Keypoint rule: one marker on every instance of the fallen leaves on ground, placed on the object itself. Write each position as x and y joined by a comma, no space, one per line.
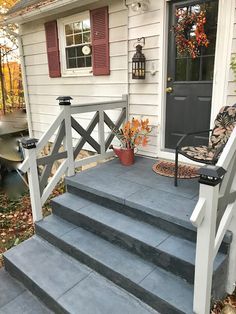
227,306
16,223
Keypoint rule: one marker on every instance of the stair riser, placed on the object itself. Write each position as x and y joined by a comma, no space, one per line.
172,228
34,288
165,225
159,258
109,273
219,281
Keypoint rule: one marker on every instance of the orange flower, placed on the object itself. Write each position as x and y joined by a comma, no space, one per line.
144,141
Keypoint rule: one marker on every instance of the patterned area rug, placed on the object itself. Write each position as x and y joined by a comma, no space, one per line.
167,169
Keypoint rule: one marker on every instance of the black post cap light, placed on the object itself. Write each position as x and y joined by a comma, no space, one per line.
64,100
29,143
138,64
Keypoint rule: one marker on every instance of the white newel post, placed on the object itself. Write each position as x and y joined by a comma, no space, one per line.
210,178
64,102
29,146
231,278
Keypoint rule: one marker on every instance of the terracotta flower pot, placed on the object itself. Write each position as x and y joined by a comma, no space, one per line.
126,155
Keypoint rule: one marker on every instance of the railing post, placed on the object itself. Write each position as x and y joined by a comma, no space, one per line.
101,132
35,197
210,178
231,276
64,102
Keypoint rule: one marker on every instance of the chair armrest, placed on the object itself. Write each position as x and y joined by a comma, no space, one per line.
190,134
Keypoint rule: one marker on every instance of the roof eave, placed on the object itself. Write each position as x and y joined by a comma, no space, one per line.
47,10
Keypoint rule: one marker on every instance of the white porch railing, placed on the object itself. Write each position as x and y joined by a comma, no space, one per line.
39,184
214,214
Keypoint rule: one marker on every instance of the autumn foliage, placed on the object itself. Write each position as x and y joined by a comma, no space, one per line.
134,133
189,32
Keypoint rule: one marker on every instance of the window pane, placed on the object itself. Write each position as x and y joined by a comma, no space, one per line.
78,39
69,40
193,69
180,72
77,27
86,25
207,68
71,52
88,61
71,63
79,52
68,29
86,37
81,62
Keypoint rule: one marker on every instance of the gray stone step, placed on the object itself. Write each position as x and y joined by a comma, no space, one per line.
15,298
144,196
135,200
134,274
66,285
168,251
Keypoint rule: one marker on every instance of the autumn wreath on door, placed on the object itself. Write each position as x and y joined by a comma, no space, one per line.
189,31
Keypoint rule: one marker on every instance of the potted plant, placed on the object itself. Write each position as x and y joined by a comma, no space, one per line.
131,135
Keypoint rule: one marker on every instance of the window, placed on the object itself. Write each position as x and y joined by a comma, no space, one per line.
77,47
75,44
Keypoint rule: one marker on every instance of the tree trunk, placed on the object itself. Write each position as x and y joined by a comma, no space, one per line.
2,85
11,87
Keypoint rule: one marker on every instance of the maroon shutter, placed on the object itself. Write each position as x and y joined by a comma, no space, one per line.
53,49
100,41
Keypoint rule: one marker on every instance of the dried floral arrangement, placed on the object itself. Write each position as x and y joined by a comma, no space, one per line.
190,33
133,133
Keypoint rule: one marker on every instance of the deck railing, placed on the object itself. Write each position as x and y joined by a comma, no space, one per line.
64,149
214,214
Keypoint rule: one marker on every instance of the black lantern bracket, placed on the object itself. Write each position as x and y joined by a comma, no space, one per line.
140,41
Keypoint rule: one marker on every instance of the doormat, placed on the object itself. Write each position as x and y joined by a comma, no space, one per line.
167,169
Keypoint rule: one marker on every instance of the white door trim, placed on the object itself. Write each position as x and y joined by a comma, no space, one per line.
224,41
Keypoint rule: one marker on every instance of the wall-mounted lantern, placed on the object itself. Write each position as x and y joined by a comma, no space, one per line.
139,62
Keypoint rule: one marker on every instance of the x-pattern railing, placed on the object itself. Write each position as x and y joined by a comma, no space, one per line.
63,148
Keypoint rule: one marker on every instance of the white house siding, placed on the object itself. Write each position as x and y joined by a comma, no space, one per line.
144,98
44,90
143,94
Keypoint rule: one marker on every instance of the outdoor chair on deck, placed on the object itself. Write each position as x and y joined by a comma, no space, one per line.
218,137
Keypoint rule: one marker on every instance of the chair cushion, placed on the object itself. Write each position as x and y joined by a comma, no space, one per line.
223,127
199,153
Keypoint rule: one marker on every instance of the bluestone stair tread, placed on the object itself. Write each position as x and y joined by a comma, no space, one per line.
163,203
114,257
14,298
138,230
74,286
155,280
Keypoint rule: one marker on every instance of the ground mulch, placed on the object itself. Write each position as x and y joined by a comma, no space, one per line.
16,224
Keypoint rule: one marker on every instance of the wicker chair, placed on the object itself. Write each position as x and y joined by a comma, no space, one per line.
218,137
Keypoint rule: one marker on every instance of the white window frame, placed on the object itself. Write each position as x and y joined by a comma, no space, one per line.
62,44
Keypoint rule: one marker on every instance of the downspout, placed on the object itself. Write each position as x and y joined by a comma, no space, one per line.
24,80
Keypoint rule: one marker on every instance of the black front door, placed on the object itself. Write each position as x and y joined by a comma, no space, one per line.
189,80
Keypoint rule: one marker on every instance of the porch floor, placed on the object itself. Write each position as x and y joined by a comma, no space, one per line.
138,186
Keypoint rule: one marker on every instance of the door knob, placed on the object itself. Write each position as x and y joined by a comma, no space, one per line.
169,90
